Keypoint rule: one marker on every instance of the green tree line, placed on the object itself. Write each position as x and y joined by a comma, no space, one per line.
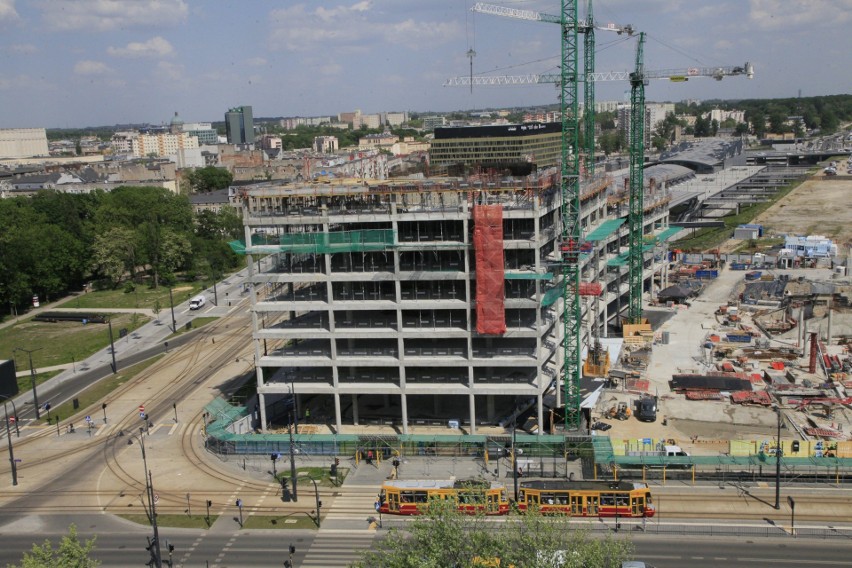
53,243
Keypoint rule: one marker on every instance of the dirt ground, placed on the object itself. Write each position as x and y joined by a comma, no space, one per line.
820,206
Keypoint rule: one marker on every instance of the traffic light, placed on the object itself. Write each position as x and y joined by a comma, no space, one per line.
209,503
337,461
171,548
292,549
273,457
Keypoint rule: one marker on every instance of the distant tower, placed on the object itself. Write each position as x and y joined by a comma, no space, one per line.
239,125
176,125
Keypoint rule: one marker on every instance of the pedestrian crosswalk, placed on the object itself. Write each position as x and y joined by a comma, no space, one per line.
357,502
332,548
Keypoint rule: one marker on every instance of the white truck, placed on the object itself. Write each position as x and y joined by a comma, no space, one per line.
197,302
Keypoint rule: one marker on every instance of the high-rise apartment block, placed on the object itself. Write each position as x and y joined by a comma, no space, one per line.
239,125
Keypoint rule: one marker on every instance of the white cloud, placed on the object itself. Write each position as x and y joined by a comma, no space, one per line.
8,13
170,70
154,47
330,69
798,14
352,28
89,67
22,48
104,15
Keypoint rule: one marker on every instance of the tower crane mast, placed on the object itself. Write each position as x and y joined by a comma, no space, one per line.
636,215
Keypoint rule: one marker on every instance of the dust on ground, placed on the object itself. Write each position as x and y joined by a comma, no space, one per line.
819,206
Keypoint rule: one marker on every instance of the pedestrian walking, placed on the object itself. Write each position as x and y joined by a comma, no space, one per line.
369,457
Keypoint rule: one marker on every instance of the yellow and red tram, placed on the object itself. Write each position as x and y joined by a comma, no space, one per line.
586,498
471,496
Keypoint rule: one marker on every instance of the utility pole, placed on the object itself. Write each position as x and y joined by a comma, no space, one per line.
514,464
12,462
172,306
778,454
154,546
112,348
293,464
32,377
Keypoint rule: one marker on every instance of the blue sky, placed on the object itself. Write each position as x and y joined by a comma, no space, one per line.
72,63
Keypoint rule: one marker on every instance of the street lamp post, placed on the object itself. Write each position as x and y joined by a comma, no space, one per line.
154,548
32,377
778,453
14,415
112,348
293,479
319,503
172,306
11,451
514,464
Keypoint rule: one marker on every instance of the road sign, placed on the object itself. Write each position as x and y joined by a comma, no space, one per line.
156,497
141,408
88,418
12,419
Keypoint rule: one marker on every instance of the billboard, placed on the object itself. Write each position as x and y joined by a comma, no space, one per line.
8,382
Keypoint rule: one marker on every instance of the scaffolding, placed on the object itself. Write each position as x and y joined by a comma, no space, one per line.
490,286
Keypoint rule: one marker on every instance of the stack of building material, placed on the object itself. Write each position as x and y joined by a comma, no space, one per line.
761,398
712,382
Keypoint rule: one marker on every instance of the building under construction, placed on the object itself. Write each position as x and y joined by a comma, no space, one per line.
436,301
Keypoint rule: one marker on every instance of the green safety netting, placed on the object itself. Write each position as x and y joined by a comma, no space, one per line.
528,276
605,229
320,243
665,235
621,259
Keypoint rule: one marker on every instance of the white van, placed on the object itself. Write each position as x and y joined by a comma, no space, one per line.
197,302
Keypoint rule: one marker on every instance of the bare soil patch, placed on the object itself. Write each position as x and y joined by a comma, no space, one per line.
820,206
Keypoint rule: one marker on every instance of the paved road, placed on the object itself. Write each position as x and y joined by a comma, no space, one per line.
149,340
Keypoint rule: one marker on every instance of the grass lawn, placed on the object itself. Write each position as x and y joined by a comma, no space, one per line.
174,521
97,392
61,342
320,474
142,297
289,521
195,324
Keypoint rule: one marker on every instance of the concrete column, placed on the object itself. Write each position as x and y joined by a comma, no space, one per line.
540,405
403,403
338,415
472,404
490,411
355,409
261,402
801,335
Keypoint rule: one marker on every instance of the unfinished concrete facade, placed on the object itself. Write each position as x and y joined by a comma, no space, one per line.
366,306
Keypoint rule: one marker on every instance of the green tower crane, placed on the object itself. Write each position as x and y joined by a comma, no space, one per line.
635,216
571,229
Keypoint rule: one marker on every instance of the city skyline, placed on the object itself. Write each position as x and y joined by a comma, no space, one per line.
76,63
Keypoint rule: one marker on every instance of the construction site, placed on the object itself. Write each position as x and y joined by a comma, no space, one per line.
455,309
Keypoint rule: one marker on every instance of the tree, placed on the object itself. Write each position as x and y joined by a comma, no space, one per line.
114,254
209,178
444,537
71,553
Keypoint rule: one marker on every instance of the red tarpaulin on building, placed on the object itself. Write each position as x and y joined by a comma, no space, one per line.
488,250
